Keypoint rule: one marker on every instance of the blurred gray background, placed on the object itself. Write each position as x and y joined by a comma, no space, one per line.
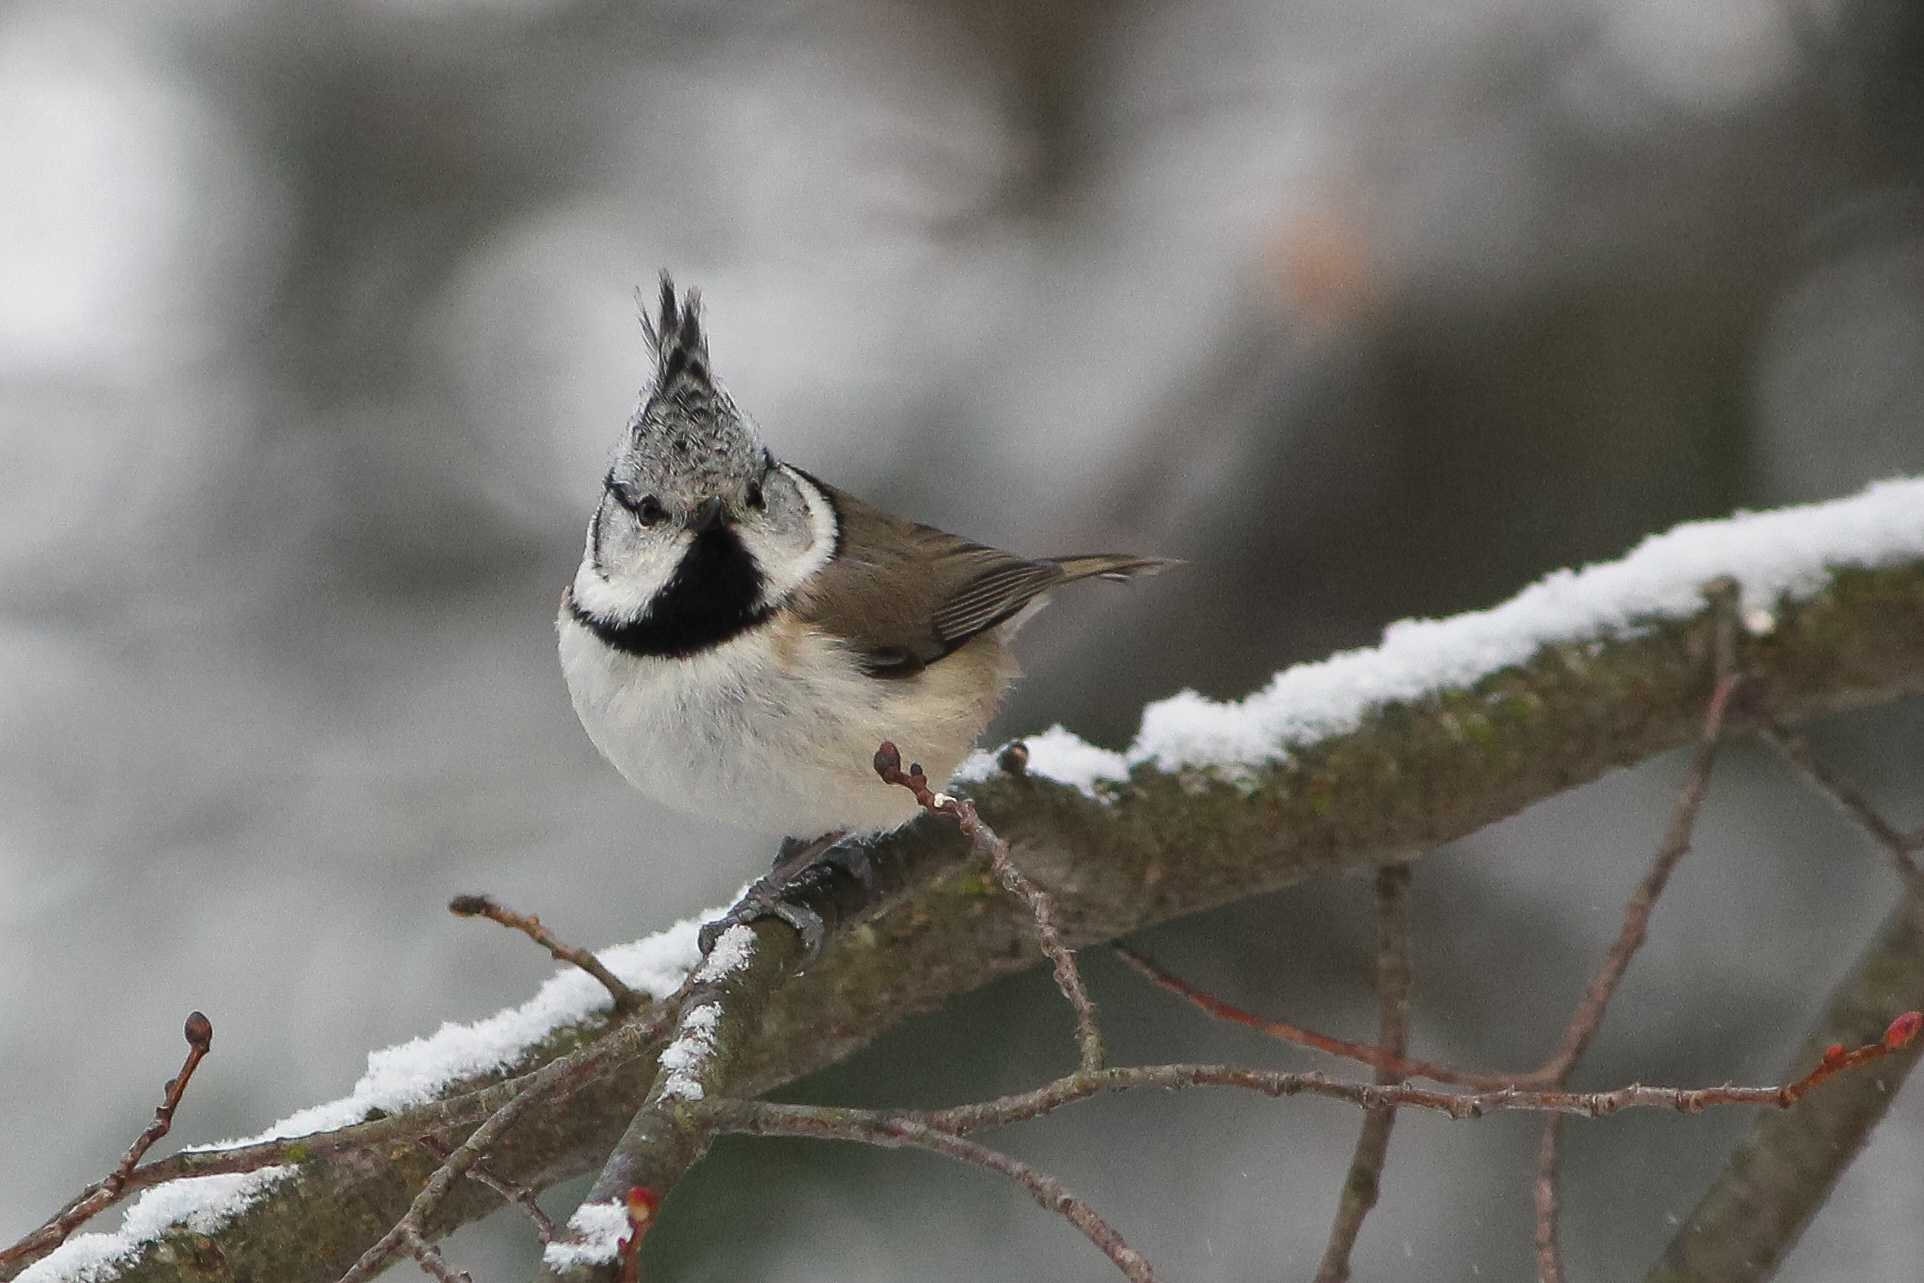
316,321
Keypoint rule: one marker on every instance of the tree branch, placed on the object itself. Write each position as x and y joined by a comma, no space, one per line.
1785,1169
721,1010
1413,775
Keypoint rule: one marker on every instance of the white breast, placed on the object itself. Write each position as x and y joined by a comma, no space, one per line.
776,730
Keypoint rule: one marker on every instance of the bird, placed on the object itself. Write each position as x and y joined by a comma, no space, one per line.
740,636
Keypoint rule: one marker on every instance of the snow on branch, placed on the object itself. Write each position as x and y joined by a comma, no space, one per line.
1777,557
1340,766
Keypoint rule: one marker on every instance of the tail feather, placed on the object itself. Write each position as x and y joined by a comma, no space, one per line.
1110,565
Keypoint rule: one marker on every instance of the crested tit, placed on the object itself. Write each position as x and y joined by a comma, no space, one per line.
741,636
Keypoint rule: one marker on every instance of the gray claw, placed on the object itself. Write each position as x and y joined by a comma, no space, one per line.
758,904
808,924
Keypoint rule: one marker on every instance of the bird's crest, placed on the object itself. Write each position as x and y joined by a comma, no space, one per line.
681,349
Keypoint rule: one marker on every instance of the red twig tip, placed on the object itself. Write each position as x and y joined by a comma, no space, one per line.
1900,1034
641,1205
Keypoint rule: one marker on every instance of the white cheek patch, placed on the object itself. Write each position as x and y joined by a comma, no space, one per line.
630,577
784,572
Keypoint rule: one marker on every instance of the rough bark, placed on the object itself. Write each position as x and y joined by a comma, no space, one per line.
1413,776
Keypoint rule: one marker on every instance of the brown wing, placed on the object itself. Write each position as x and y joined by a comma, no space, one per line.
904,595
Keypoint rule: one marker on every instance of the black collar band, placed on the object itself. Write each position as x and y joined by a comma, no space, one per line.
714,596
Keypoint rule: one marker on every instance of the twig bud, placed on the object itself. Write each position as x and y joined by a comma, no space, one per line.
200,1032
641,1204
470,906
888,760
1903,1030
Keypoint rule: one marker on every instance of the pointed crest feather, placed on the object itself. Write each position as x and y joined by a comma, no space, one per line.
681,349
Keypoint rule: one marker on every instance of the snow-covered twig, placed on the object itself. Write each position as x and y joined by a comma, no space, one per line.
720,1009
551,1080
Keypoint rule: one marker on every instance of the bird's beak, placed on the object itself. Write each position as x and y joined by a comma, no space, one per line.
708,514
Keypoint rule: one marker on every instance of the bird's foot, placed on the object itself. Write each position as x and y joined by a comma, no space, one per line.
760,902
780,893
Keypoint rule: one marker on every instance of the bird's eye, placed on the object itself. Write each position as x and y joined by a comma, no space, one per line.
755,497
647,509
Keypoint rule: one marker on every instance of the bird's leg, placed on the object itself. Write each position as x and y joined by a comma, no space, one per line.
777,893
796,855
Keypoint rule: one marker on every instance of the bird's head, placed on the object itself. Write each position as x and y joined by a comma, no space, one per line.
694,507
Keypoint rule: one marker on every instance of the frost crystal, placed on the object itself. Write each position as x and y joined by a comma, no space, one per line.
692,1048
598,1230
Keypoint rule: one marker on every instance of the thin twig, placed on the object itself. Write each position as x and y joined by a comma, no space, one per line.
1785,1169
413,1224
101,1195
1643,901
1363,1053
1549,1258
1896,843
888,764
627,1000
552,1079
468,1108
1363,1183
520,1195
1068,977
766,1118
943,1130
1588,1019
430,1259
1022,1106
